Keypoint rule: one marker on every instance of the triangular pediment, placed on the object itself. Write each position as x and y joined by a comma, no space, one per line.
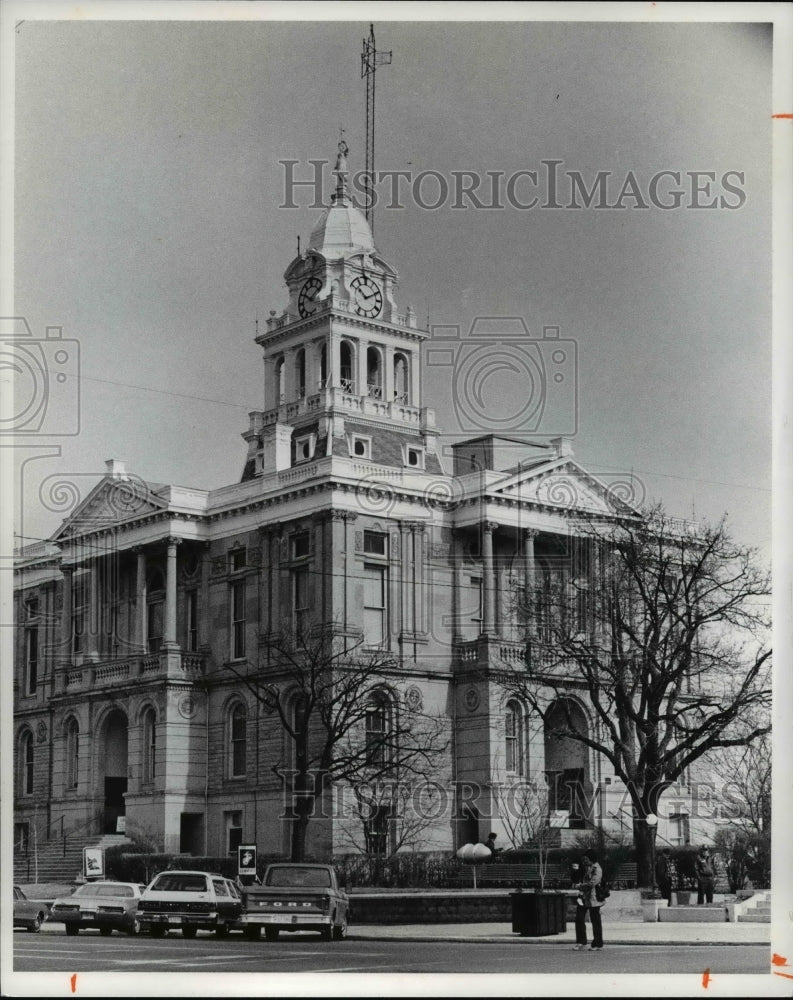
112,501
563,485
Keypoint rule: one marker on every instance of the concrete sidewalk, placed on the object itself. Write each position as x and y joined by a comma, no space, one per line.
615,933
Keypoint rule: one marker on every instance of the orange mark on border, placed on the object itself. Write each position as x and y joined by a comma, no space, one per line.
705,978
74,983
788,115
778,959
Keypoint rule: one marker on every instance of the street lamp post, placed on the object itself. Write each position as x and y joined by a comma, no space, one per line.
652,821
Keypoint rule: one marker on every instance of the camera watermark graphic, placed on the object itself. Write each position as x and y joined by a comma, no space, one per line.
504,381
45,375
548,185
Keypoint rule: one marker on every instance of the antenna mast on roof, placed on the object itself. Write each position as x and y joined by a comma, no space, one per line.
370,60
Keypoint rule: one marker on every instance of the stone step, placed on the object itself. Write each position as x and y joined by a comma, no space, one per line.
754,918
693,914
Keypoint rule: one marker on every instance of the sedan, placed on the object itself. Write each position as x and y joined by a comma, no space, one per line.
108,906
27,912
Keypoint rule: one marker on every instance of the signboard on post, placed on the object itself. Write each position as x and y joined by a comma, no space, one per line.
246,860
93,862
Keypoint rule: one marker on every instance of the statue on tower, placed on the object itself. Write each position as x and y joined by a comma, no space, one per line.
341,167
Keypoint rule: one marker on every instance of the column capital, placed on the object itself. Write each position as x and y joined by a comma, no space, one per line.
529,534
490,526
173,540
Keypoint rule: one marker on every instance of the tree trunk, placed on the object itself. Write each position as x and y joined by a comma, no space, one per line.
644,841
300,829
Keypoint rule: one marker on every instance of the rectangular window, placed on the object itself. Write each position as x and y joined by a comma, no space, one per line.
376,734
679,832
301,544
239,745
31,647
238,560
191,617
300,601
476,601
79,616
238,620
377,829
512,742
375,608
375,543
154,625
233,831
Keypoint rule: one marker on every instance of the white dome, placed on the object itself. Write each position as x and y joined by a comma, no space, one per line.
341,230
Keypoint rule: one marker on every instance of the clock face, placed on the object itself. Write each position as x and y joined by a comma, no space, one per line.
367,297
307,299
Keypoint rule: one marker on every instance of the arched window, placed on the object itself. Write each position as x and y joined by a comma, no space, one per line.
300,366
280,381
72,754
514,739
26,763
346,367
238,741
378,730
374,373
149,745
401,391
323,367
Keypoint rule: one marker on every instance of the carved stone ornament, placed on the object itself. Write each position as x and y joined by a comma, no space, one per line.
472,699
218,566
41,731
187,707
413,699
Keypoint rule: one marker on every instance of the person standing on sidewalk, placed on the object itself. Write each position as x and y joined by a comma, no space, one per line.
663,874
705,877
587,902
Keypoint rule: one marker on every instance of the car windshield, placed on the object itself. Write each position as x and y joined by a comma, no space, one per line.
104,890
176,882
312,877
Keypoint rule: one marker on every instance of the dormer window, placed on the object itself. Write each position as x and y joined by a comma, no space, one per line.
414,456
304,447
360,446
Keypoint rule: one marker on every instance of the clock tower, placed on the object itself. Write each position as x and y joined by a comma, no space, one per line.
341,363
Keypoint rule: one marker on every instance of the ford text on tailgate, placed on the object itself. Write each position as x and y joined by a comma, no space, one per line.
296,897
189,901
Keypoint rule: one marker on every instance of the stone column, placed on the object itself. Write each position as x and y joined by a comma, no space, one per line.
458,627
419,613
66,615
93,618
406,607
203,601
363,381
388,376
530,575
169,638
139,634
414,384
488,578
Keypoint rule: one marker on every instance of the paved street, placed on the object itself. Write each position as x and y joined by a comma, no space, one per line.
53,952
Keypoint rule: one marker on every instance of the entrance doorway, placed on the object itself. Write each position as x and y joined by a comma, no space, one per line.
191,834
113,765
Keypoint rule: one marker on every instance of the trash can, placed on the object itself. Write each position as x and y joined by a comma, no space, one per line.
538,914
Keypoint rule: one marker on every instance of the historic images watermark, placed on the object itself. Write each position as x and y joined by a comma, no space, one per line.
549,185
45,374
444,800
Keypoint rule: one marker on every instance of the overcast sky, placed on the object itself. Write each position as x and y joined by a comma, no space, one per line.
148,226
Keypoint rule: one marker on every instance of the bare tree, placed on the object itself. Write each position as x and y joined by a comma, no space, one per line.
386,816
343,718
663,632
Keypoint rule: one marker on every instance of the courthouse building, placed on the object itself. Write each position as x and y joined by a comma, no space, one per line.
137,617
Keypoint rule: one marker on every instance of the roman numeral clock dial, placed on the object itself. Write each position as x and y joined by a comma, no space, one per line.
307,299
367,297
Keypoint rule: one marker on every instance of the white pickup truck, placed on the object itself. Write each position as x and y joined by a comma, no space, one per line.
296,897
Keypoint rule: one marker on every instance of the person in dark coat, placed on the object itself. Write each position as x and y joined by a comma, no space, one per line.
663,874
705,877
491,844
587,902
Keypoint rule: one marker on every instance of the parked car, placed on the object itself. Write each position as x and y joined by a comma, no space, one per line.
28,913
296,897
190,901
107,905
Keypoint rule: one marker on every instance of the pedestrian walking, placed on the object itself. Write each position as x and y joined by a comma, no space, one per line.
705,877
663,874
587,902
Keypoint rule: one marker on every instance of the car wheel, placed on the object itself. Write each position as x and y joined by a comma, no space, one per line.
271,933
105,931
253,933
222,931
72,930
326,933
157,931
188,931
340,931
35,927
134,929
